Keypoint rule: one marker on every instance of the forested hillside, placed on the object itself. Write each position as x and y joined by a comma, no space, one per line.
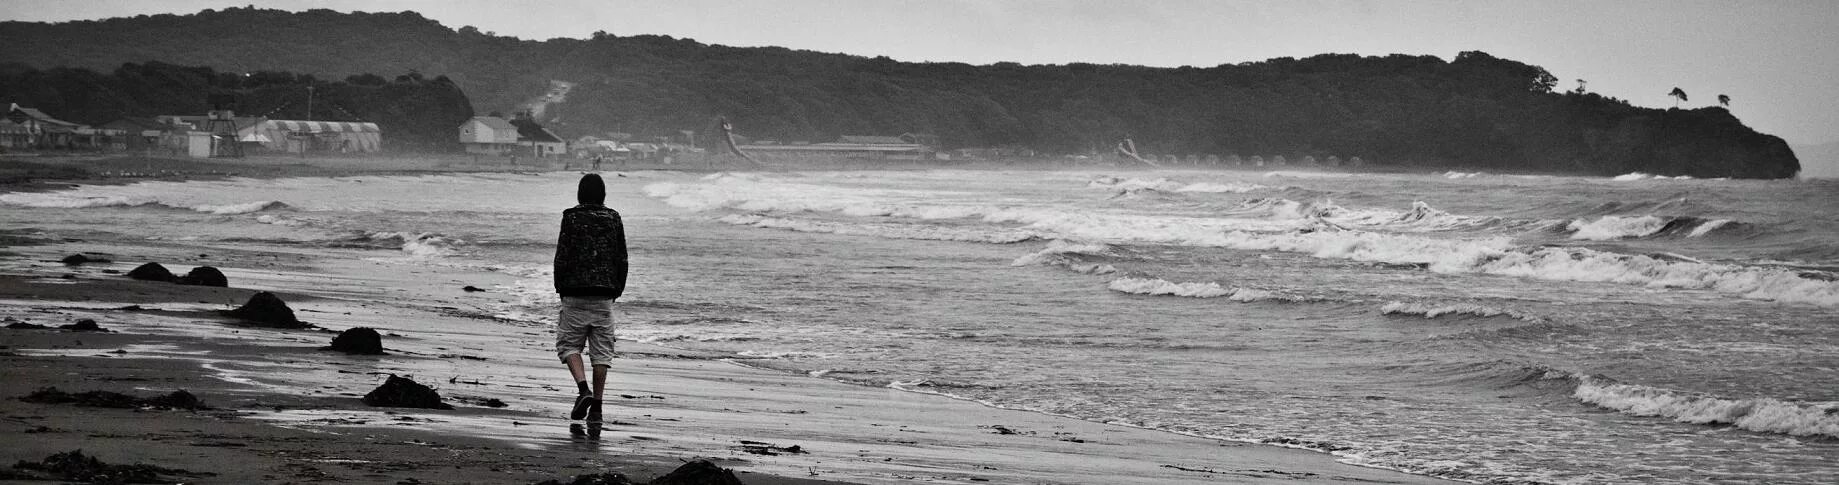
1475,111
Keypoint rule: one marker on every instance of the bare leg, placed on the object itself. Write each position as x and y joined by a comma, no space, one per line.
600,380
574,368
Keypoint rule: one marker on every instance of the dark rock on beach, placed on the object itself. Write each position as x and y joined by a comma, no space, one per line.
402,392
267,310
592,479
153,272
27,326
107,399
358,340
74,466
84,325
80,259
699,472
471,289
205,276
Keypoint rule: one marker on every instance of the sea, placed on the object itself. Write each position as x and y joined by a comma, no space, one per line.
1483,327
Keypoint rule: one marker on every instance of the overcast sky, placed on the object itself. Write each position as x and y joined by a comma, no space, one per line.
1777,60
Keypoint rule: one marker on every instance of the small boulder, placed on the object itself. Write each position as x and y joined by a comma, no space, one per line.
26,326
84,325
267,310
592,479
402,392
79,259
358,340
153,272
205,276
471,289
699,472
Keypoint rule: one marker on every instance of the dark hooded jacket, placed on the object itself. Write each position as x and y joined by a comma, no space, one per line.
591,251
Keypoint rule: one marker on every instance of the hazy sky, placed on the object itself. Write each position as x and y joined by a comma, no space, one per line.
1777,60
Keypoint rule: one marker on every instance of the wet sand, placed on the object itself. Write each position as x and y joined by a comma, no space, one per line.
285,411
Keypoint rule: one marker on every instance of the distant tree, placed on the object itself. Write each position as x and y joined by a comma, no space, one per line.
1724,100
1580,86
1679,94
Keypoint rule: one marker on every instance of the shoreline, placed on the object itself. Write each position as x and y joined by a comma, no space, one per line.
708,407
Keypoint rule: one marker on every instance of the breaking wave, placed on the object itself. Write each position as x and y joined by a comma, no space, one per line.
1166,185
891,231
1763,415
1633,176
1609,228
1158,286
416,245
1434,311
1076,257
54,200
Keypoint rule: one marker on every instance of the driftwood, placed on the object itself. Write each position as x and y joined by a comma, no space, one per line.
1129,149
728,141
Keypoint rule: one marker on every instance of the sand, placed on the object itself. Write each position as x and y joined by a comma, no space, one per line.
282,410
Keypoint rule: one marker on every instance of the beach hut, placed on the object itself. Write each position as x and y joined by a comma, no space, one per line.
297,136
488,135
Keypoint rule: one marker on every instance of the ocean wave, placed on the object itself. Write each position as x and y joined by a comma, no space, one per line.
891,231
55,200
1764,415
1634,176
1208,187
1708,226
1072,256
1123,185
1434,311
1460,175
424,245
1161,287
1609,228
244,208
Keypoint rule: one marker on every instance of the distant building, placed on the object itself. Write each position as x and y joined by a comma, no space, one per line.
296,136
488,135
43,131
142,133
541,141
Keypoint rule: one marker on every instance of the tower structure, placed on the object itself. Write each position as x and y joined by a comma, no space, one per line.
222,125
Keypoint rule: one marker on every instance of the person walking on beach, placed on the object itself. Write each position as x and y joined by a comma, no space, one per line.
590,273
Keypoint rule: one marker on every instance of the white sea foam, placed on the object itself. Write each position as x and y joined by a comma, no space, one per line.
1208,187
58,200
1460,175
1158,286
1764,415
1708,226
1066,254
65,200
1610,228
891,231
279,220
1434,311
1115,183
1580,264
1634,176
244,208
422,245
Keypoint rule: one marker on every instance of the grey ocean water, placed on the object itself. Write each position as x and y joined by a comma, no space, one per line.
1464,325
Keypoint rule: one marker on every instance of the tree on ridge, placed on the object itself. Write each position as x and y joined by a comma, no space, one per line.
1724,100
1677,93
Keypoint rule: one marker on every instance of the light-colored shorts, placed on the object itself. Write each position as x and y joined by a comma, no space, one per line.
586,323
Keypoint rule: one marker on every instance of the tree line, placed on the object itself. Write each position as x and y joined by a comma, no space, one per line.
1474,111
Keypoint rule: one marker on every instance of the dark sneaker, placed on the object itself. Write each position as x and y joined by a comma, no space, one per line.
593,413
582,403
